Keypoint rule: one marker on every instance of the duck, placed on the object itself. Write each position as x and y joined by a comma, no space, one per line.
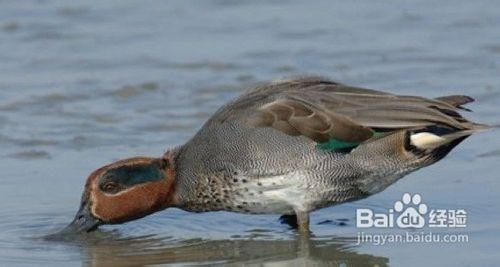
286,147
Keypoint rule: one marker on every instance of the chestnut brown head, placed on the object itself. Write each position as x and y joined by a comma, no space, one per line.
125,190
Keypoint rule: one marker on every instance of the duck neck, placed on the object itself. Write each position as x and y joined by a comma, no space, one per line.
171,199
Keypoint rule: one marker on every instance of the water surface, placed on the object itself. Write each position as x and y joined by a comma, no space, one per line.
84,83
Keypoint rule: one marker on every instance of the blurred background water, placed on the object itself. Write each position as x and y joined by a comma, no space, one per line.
83,83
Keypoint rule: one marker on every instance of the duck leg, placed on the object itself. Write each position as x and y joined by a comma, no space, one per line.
303,221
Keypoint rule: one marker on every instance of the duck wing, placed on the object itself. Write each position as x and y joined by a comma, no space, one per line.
324,110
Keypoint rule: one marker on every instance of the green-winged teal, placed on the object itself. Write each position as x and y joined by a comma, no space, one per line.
287,147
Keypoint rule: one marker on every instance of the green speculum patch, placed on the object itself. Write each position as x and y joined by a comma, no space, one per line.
132,175
336,145
339,145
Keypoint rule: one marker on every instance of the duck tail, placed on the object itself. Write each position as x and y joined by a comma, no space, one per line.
436,136
438,144
432,137
476,127
430,141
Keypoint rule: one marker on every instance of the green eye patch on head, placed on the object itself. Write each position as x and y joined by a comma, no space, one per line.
131,175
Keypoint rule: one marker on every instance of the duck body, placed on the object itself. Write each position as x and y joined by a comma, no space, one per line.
286,147
240,162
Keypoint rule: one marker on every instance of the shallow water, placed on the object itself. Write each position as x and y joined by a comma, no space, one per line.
85,83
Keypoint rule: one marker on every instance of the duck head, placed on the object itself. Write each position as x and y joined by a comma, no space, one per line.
125,190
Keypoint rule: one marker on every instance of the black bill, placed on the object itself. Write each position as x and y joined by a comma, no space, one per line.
84,221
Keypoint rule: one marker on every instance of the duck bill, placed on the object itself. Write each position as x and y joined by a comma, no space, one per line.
84,221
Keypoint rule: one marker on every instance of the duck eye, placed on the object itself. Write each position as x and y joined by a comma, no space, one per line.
110,187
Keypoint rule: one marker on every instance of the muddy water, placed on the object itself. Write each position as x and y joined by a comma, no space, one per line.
83,83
